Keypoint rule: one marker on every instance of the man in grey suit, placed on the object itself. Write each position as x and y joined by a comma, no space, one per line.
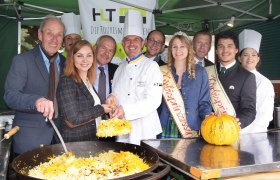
27,84
202,45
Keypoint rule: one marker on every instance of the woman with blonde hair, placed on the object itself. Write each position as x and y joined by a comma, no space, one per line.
78,102
186,91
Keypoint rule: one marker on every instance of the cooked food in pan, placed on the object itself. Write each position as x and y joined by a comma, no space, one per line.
106,165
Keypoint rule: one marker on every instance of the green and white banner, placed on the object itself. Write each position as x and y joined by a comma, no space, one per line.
107,18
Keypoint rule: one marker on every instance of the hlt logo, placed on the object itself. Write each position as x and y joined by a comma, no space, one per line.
107,15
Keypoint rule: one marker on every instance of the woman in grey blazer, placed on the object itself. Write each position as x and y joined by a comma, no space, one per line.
78,102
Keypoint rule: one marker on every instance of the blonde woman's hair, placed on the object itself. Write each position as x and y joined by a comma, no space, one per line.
70,68
190,62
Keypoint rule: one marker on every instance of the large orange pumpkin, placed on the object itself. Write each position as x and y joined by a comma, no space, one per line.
220,129
218,156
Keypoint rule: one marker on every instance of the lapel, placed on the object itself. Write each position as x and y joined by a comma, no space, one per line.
86,92
39,61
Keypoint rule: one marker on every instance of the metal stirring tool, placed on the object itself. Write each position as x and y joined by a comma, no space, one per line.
58,134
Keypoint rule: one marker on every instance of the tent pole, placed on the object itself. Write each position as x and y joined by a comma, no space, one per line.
19,37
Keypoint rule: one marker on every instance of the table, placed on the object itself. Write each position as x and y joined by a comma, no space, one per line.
197,159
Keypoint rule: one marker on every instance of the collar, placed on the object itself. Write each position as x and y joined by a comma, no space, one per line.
105,67
135,59
46,58
229,65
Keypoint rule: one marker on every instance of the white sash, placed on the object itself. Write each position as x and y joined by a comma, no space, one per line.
218,97
175,103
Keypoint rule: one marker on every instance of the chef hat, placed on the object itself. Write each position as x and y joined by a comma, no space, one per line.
250,39
133,24
72,23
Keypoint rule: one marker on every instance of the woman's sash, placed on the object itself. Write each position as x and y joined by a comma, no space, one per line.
218,97
175,103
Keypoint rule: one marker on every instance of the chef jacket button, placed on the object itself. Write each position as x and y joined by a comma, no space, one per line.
128,94
130,78
135,65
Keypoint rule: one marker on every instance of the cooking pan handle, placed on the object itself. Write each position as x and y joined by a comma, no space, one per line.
161,171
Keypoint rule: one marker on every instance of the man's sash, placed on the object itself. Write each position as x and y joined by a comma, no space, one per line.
218,97
175,103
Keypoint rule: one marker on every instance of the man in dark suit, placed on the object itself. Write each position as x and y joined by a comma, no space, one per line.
202,45
238,83
155,45
105,49
27,85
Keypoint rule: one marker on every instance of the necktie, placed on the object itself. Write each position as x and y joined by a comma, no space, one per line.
200,63
53,81
223,70
102,85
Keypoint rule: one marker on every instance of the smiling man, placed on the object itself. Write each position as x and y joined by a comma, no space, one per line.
155,45
202,45
28,84
137,85
73,29
238,83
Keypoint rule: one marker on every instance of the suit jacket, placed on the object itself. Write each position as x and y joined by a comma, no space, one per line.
27,81
112,69
208,62
240,86
77,106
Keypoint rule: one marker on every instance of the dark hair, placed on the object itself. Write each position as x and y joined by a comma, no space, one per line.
162,34
258,64
203,32
227,35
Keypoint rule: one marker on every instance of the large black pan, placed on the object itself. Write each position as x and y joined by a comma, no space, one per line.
26,161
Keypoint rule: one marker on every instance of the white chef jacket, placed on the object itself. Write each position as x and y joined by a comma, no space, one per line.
264,105
138,88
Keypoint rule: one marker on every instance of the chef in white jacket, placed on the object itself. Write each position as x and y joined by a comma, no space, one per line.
137,85
249,45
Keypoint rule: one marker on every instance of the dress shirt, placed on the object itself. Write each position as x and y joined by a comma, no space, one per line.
201,61
228,66
47,62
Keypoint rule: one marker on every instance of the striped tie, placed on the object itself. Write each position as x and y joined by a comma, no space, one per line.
102,85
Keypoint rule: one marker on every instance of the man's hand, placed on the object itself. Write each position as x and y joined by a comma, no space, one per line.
118,113
45,106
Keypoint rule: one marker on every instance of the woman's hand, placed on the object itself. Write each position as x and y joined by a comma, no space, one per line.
107,108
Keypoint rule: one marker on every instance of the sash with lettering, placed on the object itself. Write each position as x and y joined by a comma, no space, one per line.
175,103
218,97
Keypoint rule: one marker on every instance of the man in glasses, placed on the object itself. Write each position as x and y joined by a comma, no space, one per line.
155,45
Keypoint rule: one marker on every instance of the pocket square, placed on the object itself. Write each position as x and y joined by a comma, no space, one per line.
231,87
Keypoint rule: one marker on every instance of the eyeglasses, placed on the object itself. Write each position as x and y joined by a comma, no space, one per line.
156,43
